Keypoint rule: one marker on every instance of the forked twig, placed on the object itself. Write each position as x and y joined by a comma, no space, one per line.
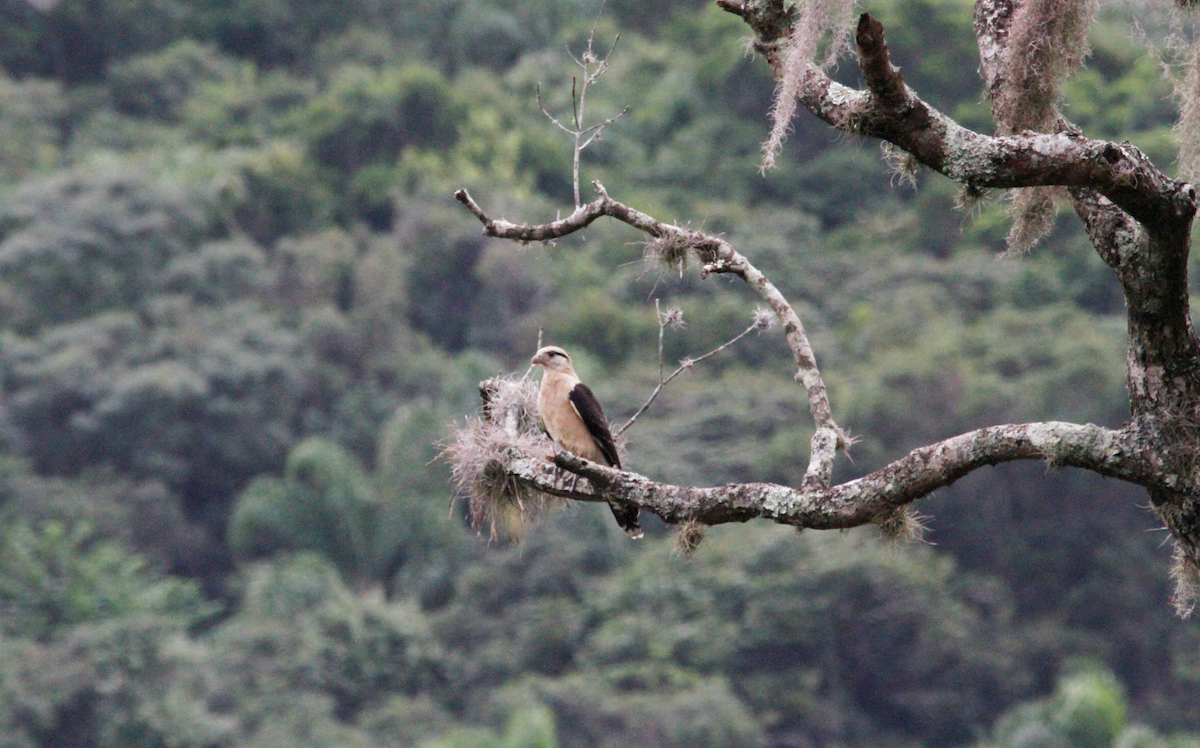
593,68
761,322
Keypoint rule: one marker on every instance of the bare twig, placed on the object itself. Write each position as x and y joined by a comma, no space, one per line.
576,106
593,69
662,327
684,365
537,90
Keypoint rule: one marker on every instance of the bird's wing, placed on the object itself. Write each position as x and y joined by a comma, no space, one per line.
588,408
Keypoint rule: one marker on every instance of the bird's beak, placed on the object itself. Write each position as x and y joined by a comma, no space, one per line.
537,360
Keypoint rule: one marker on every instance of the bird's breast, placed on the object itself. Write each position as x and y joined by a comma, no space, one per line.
562,421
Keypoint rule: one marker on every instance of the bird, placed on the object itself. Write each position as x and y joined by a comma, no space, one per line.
572,416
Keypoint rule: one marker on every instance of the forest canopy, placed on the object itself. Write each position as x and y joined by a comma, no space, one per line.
241,313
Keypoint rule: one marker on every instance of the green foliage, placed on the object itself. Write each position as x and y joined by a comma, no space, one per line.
276,193
144,517
275,32
603,325
483,35
840,185
365,117
443,258
532,727
509,304
198,362
194,398
528,727
158,85
369,527
93,240
1087,710
1140,736
130,682
30,114
973,373
647,15
76,40
762,633
54,578
632,707
304,648
324,504
403,721
219,273
1092,709
488,141
244,109
794,642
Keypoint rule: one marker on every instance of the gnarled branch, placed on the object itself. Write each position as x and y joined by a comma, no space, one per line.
857,502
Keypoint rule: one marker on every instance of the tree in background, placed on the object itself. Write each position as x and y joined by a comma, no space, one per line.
369,527
1138,219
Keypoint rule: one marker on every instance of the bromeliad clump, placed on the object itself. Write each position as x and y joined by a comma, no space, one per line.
506,426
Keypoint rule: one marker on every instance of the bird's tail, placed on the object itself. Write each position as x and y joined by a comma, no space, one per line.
627,518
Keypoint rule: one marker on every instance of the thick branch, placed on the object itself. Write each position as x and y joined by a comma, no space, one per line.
891,111
992,19
1110,182
858,502
1138,218
1149,259
883,79
1112,231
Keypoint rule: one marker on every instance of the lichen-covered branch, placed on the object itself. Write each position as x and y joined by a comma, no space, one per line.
891,111
517,469
862,501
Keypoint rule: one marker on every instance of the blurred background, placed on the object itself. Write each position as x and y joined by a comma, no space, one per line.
241,313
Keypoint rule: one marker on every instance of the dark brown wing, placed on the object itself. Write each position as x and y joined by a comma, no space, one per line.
589,410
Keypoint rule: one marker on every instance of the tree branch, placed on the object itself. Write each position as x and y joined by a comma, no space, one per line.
891,111
1122,178
1147,253
883,80
858,502
717,256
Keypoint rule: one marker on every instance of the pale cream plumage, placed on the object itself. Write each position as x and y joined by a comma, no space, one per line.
573,418
561,418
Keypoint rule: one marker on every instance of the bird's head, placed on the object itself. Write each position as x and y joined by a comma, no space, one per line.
553,358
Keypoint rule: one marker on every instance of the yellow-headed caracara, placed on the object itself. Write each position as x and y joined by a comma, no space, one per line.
572,417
